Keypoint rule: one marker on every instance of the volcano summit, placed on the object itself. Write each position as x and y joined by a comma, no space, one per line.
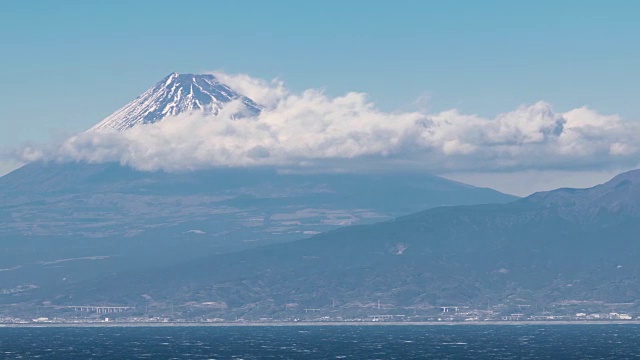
174,95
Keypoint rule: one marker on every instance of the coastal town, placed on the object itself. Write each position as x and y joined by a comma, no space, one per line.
121,315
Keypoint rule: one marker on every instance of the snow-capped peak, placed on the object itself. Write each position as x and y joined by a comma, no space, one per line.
177,94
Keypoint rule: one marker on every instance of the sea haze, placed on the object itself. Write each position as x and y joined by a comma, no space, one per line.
324,342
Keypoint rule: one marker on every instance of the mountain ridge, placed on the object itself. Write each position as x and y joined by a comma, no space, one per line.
617,197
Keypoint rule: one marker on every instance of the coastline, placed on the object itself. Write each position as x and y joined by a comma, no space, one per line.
305,324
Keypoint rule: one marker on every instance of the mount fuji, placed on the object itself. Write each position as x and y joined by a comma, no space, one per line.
174,95
96,219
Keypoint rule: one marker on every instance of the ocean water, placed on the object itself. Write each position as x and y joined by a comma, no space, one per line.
324,342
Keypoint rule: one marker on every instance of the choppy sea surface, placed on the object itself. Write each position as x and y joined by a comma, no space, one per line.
324,342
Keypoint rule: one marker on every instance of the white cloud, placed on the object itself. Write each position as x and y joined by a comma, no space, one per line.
266,93
312,129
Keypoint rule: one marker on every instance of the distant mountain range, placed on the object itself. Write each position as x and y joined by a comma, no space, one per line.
569,247
72,222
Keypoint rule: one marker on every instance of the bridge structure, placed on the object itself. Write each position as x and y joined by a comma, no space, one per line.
446,309
100,309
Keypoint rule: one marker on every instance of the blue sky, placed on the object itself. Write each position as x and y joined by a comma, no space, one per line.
64,65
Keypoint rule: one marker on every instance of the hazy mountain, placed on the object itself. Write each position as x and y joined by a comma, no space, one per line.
536,251
73,221
617,199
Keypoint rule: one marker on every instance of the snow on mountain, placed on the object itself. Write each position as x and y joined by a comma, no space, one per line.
177,94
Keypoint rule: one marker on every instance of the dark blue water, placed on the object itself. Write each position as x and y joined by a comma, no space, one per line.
325,342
